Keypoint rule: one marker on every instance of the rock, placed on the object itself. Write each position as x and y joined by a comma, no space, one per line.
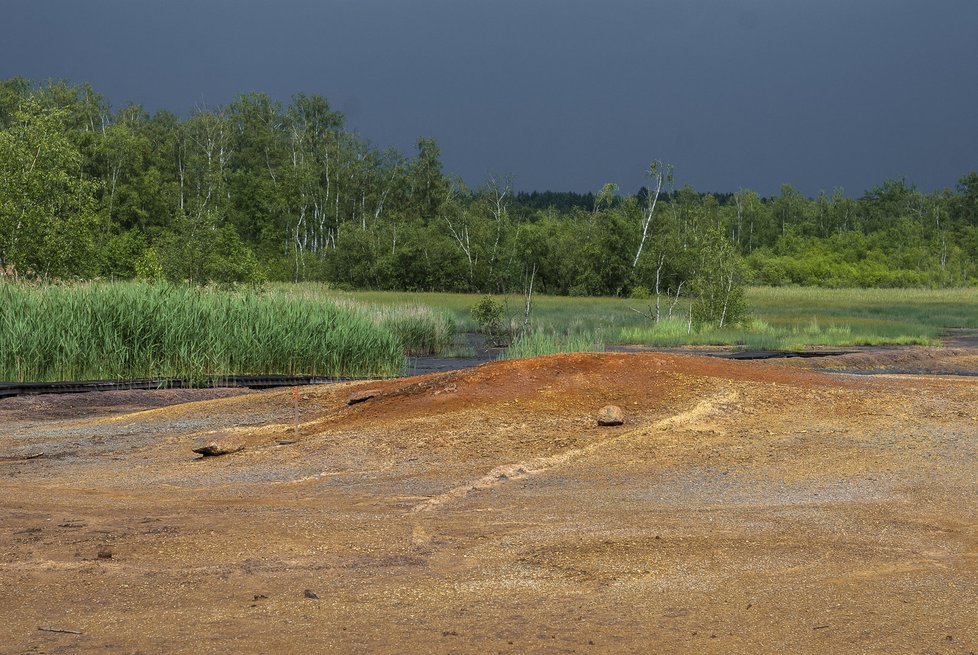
104,553
361,396
610,415
286,442
218,444
309,593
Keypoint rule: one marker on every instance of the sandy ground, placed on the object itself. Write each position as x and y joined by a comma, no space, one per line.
744,507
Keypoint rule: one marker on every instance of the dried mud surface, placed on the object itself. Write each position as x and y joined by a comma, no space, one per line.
897,360
743,507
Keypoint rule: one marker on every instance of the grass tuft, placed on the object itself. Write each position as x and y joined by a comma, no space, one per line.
539,343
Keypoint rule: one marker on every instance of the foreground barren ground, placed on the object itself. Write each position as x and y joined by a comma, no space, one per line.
742,508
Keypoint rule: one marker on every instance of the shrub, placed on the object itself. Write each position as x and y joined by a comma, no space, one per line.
488,314
719,288
640,293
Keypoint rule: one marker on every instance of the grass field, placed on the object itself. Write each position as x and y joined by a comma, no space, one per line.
783,317
132,330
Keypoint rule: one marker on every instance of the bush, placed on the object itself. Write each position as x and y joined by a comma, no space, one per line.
640,293
719,289
488,314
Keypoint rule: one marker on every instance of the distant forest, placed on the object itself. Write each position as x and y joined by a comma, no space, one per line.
257,190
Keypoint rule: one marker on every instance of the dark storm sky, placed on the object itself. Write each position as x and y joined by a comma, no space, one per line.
561,94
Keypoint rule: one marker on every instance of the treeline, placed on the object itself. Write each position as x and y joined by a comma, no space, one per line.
258,190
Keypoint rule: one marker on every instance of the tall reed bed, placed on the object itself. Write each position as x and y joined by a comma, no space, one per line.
135,330
421,330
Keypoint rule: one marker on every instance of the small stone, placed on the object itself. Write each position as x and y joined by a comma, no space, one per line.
287,442
611,415
218,444
361,396
105,552
309,593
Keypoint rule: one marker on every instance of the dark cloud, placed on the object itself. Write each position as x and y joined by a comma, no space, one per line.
562,94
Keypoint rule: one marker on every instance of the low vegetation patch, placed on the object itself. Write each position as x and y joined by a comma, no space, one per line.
538,343
760,335
780,317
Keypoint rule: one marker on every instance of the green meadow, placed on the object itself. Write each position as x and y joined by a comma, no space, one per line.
134,330
789,318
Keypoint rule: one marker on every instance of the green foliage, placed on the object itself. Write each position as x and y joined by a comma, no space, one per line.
539,343
872,315
135,330
148,267
122,253
488,314
421,330
760,335
47,207
200,250
718,287
843,316
260,189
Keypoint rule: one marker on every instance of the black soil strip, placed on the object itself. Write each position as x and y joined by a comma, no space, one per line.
782,354
86,405
9,389
960,338
728,352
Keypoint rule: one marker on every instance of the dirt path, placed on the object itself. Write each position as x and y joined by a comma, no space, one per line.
743,508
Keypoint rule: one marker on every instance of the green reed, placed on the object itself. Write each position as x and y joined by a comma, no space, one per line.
135,330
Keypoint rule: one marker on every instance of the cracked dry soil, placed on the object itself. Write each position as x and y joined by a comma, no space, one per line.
742,508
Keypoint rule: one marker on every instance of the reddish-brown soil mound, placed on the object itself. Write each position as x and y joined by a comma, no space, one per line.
742,507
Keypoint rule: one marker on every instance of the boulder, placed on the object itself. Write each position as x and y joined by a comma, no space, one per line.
218,444
610,415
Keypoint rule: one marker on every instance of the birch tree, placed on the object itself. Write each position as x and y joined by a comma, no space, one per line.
659,173
47,207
